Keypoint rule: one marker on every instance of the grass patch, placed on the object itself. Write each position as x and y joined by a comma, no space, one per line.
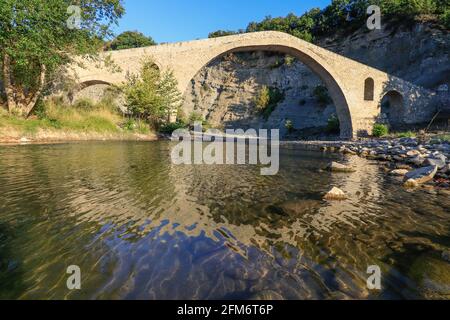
83,117
444,137
407,134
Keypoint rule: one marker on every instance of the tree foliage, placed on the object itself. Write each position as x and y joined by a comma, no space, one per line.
345,15
152,95
223,33
130,39
36,40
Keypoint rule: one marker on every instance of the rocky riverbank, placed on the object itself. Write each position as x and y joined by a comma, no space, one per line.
420,162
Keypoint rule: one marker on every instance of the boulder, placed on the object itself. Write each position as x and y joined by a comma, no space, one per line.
422,175
413,153
338,167
417,160
411,183
438,161
349,151
398,172
335,194
446,169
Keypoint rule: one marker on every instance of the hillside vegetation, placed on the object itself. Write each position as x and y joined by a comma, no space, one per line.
346,15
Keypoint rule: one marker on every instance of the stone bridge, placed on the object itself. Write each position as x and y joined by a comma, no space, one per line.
356,89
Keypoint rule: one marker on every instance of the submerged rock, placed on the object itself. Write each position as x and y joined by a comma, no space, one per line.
338,167
267,295
335,194
411,184
422,175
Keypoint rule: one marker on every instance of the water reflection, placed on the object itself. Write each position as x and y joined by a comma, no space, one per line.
142,228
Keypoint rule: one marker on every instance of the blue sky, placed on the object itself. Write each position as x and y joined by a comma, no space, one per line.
180,20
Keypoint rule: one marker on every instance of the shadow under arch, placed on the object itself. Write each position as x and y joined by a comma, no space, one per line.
335,91
392,107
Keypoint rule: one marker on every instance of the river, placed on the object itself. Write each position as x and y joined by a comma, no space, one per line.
140,227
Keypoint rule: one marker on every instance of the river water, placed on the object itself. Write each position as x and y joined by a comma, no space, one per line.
140,227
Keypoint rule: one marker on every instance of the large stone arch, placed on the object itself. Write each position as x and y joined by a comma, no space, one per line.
321,71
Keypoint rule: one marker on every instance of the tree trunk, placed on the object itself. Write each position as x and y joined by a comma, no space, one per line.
9,90
32,102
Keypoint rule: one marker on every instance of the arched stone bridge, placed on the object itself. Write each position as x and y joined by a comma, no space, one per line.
355,88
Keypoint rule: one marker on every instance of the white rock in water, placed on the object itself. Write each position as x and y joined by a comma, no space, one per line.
335,194
24,140
398,172
422,175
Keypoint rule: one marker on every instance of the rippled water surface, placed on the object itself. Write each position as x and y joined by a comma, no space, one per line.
142,228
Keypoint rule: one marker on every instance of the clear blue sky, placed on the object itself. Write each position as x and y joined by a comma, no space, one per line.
180,20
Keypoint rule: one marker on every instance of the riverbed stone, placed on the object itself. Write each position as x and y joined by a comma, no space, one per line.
422,175
267,295
335,194
446,169
411,184
413,153
398,172
403,166
339,167
417,160
438,160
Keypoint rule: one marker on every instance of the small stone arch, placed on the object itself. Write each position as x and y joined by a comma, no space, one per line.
392,108
93,90
369,89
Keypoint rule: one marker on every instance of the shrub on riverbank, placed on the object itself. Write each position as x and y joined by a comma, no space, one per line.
380,130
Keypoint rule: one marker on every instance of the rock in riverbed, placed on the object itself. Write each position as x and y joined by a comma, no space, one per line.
398,172
411,184
338,167
335,194
438,161
422,175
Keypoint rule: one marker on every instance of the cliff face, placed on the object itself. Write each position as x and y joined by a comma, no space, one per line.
418,53
224,91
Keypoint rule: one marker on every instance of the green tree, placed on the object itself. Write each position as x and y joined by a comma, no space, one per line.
130,39
151,95
37,39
